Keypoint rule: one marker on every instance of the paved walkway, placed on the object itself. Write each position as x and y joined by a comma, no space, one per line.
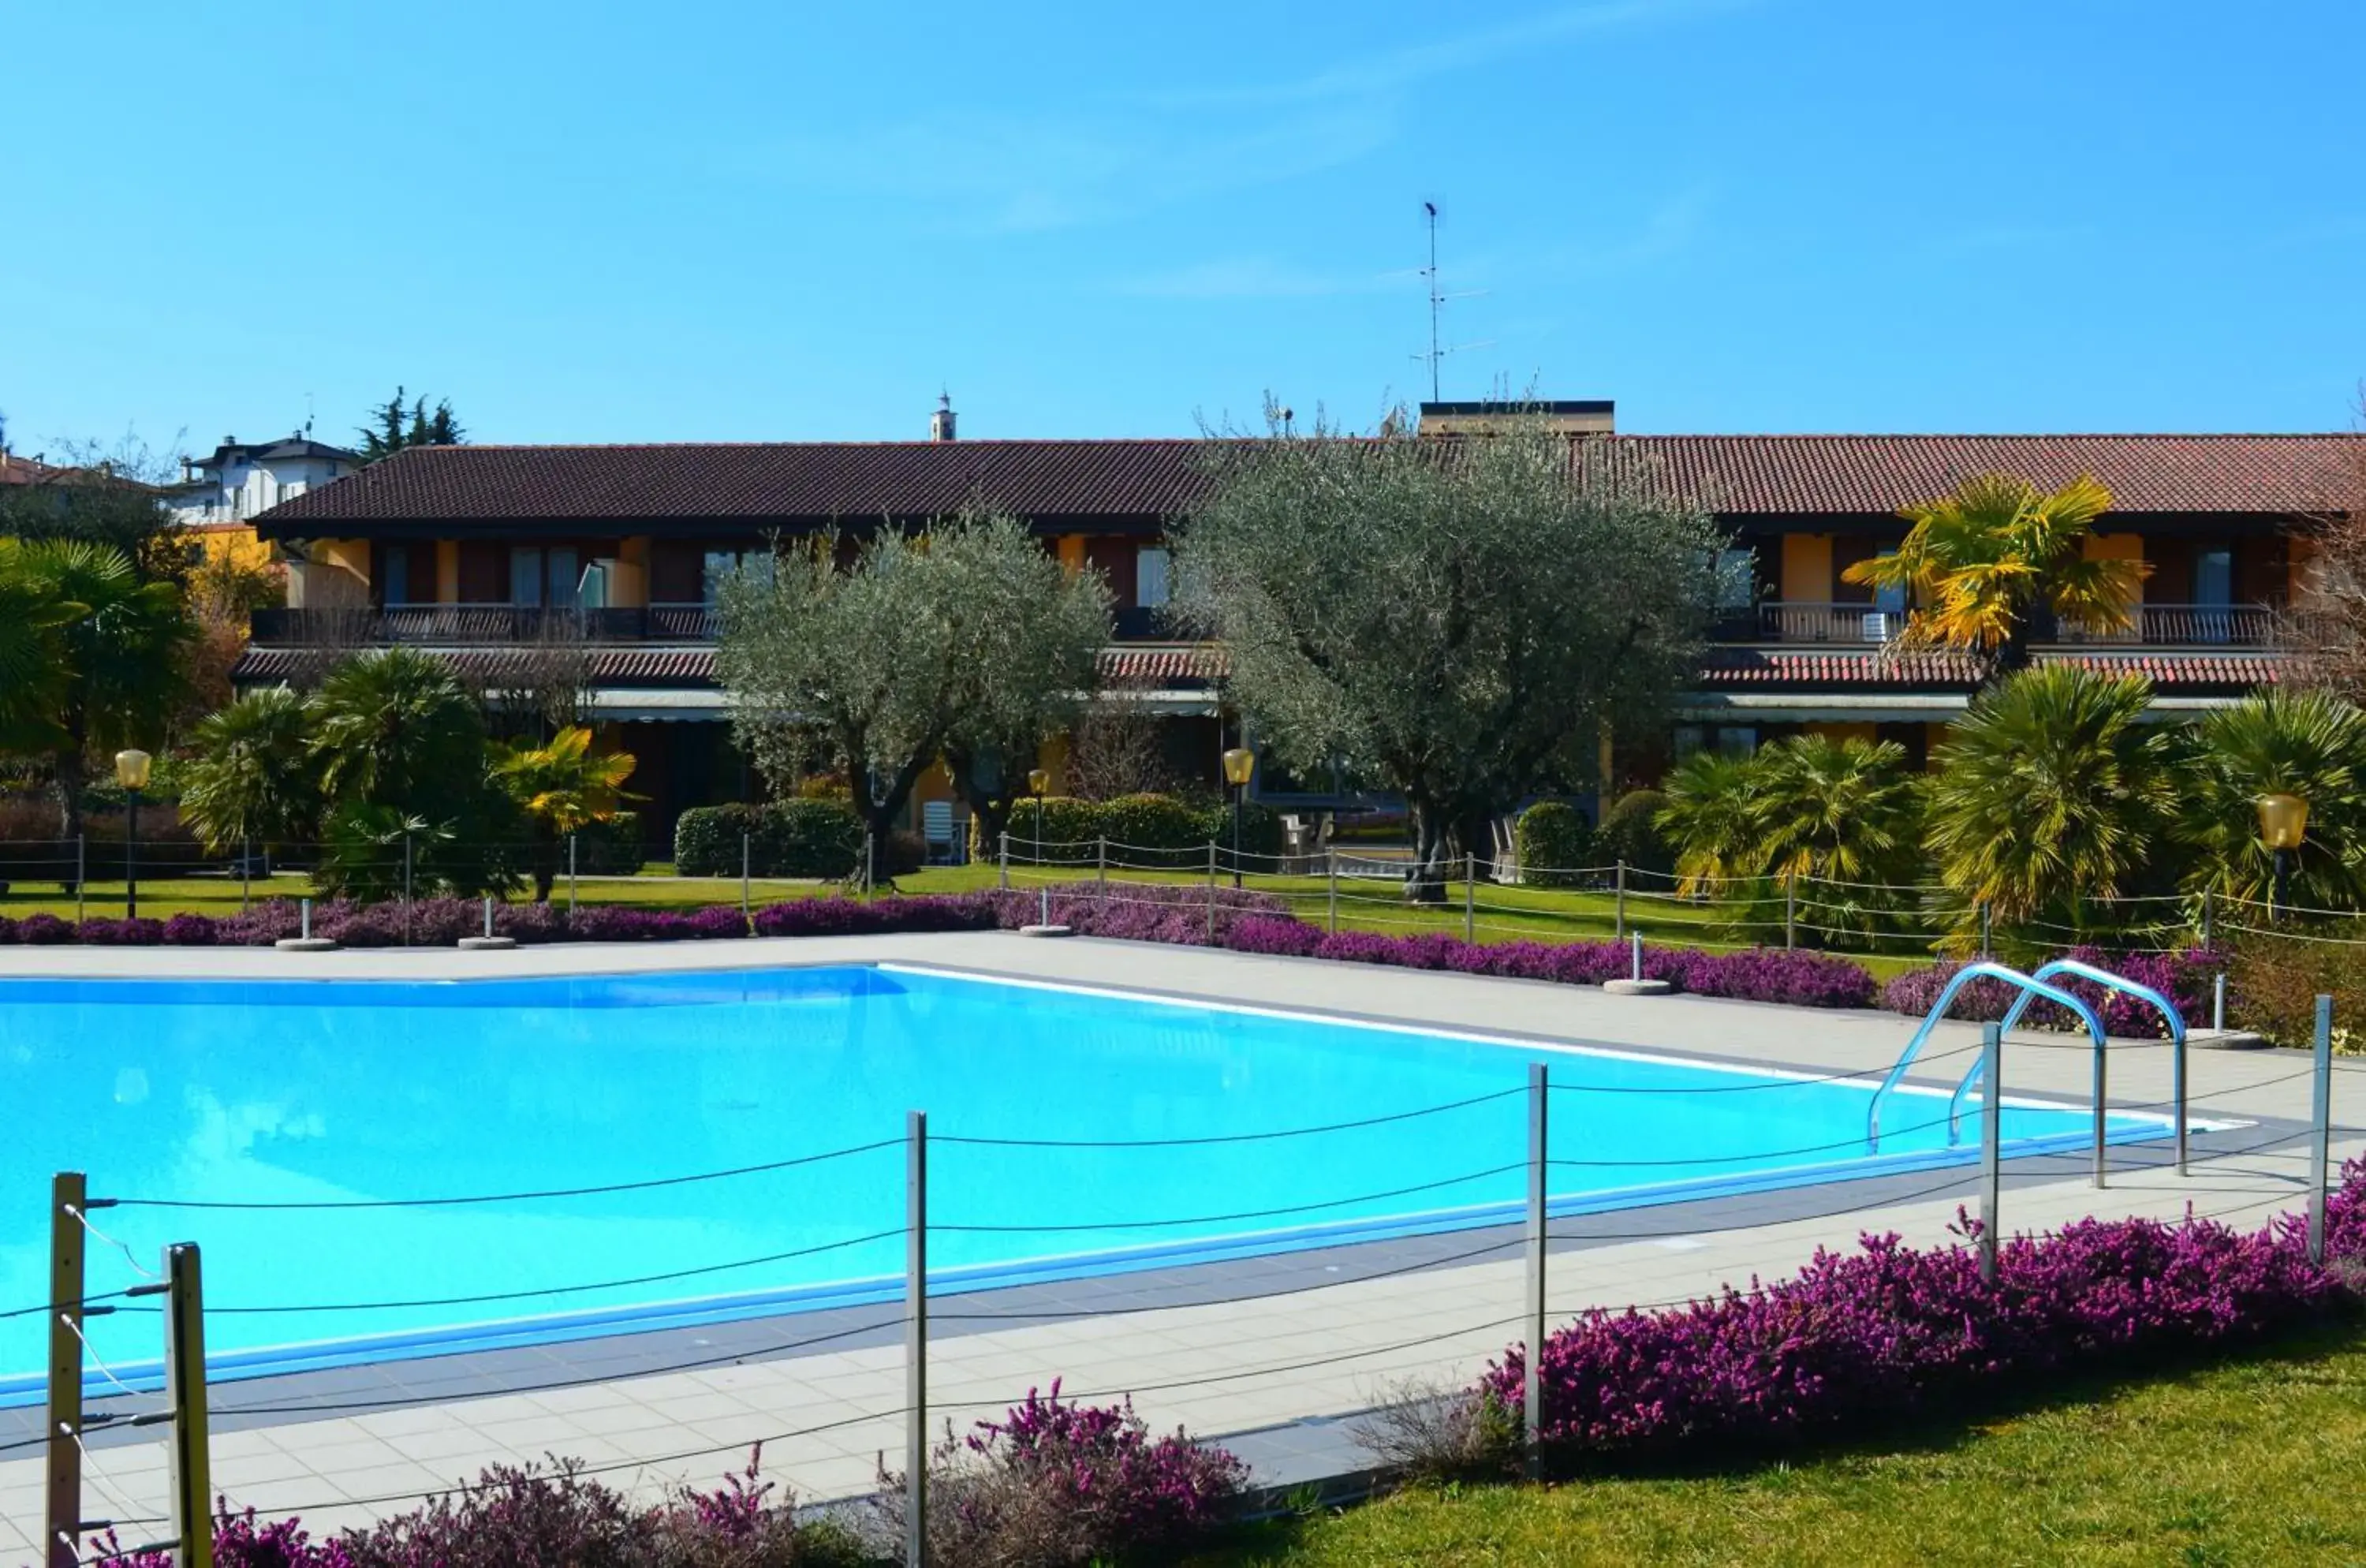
1276,1368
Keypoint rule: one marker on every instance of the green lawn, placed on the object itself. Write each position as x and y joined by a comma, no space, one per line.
2258,1462
1501,914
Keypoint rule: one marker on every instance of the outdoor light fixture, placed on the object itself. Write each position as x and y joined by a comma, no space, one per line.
1038,780
1240,766
131,772
2283,825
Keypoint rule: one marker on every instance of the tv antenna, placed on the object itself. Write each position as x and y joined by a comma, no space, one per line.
1437,298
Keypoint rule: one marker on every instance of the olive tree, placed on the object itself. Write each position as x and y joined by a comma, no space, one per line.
1455,619
965,641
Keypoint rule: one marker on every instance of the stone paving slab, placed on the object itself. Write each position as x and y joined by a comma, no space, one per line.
1283,1371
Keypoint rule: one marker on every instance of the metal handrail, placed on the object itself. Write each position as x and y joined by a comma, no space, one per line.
2109,981
2030,986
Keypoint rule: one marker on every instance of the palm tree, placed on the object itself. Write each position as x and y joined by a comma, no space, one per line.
2050,791
252,778
394,730
33,660
562,788
1978,563
2312,744
116,655
1711,822
1835,807
394,727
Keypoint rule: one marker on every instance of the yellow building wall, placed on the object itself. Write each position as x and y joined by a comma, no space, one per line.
1808,568
2300,568
2118,547
336,574
1072,552
628,583
447,571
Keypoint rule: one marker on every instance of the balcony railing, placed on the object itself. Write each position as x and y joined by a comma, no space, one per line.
2151,625
484,624
493,625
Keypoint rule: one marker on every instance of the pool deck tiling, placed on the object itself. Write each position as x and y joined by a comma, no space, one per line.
1272,1350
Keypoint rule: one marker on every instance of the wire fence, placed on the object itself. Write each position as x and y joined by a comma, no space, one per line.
1538,1173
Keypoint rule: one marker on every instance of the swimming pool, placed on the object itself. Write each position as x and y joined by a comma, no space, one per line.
1109,1130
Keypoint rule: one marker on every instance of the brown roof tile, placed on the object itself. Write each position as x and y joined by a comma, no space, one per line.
1742,668
792,483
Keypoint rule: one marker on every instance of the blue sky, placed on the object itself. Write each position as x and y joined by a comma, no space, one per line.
707,220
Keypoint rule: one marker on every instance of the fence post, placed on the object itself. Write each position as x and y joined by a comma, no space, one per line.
2101,1083
1470,897
747,860
61,1511
1100,861
570,875
82,873
869,859
1637,943
185,1374
2207,902
1006,860
406,887
1984,929
1330,875
1791,910
1618,925
1211,893
2218,1001
2320,1129
245,874
1991,1129
915,1339
1532,1382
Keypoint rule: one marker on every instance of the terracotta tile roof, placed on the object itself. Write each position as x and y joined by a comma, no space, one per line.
778,483
1878,474
805,483
1743,667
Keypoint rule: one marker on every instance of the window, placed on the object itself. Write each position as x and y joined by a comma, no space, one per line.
398,576
717,565
1150,574
545,575
1737,579
1688,739
1737,740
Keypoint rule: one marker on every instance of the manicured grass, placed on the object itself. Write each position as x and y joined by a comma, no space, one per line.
2255,1463
1499,914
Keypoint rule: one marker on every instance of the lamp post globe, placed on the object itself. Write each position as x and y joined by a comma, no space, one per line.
1240,766
2283,828
131,767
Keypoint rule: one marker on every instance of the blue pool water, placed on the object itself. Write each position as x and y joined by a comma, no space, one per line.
345,1092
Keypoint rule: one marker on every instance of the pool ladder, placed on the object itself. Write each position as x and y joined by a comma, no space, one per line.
2034,987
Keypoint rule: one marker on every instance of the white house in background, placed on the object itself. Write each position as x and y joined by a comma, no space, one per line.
241,479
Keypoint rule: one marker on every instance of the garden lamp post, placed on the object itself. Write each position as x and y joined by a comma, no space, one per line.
131,772
1240,765
1038,780
2284,824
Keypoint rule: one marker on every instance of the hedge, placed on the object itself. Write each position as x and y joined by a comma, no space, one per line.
1630,832
1555,843
784,838
1143,831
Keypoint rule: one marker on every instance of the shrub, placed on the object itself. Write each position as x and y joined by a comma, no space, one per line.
1554,842
191,931
1137,911
43,931
1060,1484
1630,832
853,917
609,849
2272,984
1063,825
1858,1340
803,837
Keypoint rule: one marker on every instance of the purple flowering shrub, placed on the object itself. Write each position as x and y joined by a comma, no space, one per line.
532,1517
1765,974
836,915
1172,912
2184,977
1891,1332
1065,1482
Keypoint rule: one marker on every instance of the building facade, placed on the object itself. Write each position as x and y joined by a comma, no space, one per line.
477,552
243,480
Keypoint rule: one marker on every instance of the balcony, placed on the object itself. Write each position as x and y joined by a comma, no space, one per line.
449,626
1861,625
497,626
